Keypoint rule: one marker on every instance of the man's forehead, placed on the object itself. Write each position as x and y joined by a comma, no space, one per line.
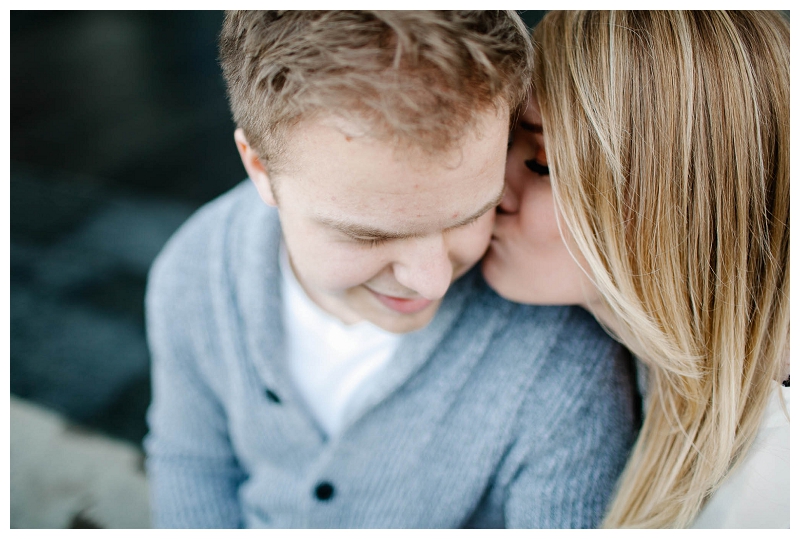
353,126
355,183
410,222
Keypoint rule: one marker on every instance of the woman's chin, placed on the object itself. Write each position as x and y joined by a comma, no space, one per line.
499,277
522,282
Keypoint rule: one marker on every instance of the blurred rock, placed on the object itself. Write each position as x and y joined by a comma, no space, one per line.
68,477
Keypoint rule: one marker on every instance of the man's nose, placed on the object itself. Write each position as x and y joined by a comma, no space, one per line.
424,266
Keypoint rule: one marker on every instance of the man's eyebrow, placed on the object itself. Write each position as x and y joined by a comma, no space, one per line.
486,207
361,231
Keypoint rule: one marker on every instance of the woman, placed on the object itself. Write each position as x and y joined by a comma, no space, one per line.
648,181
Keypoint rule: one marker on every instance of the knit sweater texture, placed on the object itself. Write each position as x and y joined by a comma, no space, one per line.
494,415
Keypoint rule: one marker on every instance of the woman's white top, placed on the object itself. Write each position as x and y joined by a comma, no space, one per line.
756,494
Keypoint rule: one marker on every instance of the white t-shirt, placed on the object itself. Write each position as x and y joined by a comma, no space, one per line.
329,361
756,494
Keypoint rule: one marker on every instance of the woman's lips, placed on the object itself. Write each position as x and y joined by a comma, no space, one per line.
402,305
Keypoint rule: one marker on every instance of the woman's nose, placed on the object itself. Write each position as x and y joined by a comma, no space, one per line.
510,201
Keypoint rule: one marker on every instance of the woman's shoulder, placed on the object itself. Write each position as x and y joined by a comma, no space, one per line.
756,494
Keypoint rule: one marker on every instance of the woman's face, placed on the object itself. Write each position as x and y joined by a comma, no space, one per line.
528,260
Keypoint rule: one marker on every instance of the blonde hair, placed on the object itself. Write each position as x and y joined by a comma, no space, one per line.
419,77
668,145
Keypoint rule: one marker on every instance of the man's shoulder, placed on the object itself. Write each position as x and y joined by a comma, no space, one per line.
563,352
209,235
203,254
563,346
583,376
569,332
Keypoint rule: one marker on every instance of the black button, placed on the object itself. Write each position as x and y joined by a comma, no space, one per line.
272,396
324,491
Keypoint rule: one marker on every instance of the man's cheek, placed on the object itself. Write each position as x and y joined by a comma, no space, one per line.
342,270
475,239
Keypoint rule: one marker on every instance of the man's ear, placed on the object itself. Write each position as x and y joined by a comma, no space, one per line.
254,167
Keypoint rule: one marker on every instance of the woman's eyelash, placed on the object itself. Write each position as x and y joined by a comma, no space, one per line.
537,168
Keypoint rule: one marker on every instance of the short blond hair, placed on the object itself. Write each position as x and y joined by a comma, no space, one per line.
417,77
668,146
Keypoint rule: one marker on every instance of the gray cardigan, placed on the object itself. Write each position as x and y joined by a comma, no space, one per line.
494,415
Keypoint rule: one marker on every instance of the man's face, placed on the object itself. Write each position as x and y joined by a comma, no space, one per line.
376,233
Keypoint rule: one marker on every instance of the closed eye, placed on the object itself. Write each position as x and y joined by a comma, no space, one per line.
537,168
370,242
376,242
531,128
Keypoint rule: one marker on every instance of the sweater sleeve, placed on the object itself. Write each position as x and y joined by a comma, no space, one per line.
567,477
193,472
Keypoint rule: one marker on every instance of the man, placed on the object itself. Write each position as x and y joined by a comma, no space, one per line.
312,364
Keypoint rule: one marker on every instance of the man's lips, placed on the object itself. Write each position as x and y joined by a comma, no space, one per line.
402,305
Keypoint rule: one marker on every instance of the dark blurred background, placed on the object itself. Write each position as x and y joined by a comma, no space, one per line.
119,130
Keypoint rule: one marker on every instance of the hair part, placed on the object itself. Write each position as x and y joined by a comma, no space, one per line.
418,78
668,146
